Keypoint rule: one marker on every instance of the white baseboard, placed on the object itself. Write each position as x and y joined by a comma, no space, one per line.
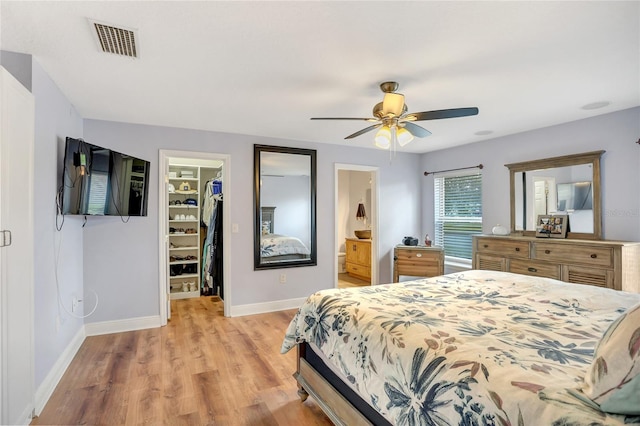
119,326
261,308
45,390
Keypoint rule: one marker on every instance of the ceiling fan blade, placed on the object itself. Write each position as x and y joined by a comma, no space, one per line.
365,130
441,113
344,118
416,130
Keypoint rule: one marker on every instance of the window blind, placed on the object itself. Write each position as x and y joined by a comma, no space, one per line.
458,213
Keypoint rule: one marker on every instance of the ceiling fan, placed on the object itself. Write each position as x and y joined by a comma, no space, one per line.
394,123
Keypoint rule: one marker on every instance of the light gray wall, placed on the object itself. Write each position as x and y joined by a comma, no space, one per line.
616,133
291,216
19,65
58,255
121,260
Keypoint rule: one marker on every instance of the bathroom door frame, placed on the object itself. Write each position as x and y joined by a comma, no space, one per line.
375,240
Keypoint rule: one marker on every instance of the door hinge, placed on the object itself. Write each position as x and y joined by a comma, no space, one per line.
6,238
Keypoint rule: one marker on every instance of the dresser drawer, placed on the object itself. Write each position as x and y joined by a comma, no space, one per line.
490,263
569,253
591,276
503,247
538,269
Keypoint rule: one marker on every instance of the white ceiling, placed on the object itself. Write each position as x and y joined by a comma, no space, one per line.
265,67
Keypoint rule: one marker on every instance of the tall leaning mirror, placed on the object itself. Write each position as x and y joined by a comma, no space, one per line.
285,207
560,185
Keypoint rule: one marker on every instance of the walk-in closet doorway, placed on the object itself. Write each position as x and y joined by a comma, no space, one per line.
191,185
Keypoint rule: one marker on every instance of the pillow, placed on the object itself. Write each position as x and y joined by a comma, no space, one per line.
613,378
265,227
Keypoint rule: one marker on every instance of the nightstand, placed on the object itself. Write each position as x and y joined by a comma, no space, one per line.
417,261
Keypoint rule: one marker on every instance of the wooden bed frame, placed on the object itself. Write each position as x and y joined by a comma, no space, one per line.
338,401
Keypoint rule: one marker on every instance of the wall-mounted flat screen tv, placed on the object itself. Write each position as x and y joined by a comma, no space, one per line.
575,196
101,182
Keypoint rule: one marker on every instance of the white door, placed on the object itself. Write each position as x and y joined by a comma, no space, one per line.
540,197
16,253
544,201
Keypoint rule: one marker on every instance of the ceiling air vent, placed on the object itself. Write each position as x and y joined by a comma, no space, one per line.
113,39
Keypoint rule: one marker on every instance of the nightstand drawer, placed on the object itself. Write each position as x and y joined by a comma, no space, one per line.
538,269
422,268
502,247
415,255
597,256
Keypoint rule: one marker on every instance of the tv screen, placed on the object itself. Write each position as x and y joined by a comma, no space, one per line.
101,182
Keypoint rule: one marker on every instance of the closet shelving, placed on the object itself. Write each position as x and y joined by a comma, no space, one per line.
184,233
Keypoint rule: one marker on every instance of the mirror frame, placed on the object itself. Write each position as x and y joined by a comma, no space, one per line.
592,158
257,228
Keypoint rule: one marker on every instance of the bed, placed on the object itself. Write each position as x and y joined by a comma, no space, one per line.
282,247
472,348
276,247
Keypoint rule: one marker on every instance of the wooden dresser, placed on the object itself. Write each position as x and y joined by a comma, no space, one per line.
417,261
612,264
358,258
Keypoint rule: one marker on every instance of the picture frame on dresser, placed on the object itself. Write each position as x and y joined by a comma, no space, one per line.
552,226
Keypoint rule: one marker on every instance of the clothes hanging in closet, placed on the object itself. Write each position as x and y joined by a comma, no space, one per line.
212,272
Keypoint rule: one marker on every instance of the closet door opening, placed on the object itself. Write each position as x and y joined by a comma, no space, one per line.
193,234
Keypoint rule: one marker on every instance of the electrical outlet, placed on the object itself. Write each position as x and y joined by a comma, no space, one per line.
283,278
74,304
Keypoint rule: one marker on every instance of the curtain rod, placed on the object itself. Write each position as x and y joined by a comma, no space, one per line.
479,166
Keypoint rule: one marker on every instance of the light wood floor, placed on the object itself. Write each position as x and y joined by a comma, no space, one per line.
200,369
346,281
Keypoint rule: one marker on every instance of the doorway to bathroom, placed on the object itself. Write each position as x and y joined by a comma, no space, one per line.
356,225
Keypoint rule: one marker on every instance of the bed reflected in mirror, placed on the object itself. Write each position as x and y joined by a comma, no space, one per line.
284,222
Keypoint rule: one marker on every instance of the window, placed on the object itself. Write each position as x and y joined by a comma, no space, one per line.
458,213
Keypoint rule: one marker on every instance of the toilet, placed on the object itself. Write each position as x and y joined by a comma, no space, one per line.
341,263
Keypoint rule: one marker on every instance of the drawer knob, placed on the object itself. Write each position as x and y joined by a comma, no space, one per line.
517,248
547,252
419,255
486,246
593,256
532,269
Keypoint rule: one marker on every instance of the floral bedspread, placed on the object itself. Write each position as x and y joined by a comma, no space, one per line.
472,348
277,245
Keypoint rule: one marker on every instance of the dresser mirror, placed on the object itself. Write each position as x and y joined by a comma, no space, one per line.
567,185
285,207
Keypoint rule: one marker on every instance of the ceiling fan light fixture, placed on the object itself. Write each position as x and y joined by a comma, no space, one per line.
383,138
393,104
403,136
